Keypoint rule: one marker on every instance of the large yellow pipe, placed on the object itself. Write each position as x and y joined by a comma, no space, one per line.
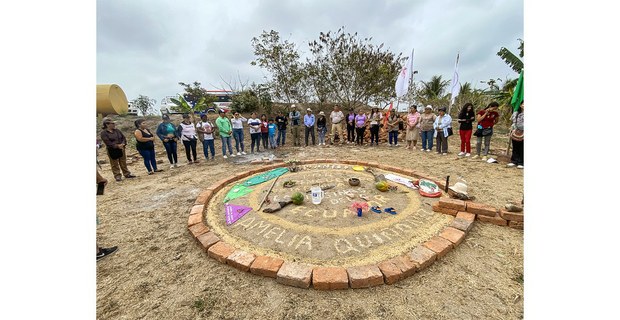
111,99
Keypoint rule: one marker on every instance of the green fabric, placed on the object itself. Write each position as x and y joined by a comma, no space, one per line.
224,126
236,192
517,96
265,176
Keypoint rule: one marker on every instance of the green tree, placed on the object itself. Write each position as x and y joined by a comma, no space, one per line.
511,59
144,104
194,92
184,106
245,101
433,92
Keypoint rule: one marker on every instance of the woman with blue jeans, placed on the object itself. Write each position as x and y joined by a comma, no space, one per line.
205,134
237,127
144,145
426,128
167,133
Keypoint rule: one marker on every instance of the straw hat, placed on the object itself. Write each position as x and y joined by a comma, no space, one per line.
459,187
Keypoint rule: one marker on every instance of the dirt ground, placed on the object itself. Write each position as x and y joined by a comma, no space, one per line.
159,272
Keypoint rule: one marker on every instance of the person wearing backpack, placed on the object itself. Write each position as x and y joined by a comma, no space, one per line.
205,135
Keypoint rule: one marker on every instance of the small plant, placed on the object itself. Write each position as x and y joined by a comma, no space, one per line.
289,183
199,305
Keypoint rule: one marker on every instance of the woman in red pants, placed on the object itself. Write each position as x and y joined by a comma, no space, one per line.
466,119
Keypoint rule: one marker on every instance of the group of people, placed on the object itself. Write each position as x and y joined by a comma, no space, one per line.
270,133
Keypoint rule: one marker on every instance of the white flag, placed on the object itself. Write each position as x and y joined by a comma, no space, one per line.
402,82
456,87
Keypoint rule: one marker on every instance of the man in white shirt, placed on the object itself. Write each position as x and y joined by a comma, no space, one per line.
337,118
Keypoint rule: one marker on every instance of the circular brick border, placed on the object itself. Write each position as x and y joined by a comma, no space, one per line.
333,278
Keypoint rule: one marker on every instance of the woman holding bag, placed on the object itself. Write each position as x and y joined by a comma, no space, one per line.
486,118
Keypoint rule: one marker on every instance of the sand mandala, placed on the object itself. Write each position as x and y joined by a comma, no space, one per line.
329,233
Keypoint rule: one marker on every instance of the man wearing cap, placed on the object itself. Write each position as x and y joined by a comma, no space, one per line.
337,117
224,127
115,143
295,117
309,124
167,133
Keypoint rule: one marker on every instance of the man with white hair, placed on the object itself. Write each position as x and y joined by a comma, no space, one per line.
337,118
295,121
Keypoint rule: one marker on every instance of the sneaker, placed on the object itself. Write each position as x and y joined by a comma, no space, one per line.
468,154
520,166
510,165
428,150
444,154
225,157
461,153
484,158
171,166
475,156
196,161
243,152
118,178
176,165
238,153
150,173
159,170
190,162
104,252
232,155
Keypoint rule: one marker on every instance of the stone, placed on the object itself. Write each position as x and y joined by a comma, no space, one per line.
198,229
481,209
461,224
220,251
295,274
439,245
512,216
455,204
422,257
330,278
241,260
494,220
406,266
437,208
364,276
391,272
207,240
266,266
453,235
466,215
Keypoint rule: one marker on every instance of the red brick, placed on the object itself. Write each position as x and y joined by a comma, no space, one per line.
220,251
203,197
197,209
440,245
194,219
266,266
241,260
516,224
242,175
330,278
295,274
453,235
353,162
391,272
455,204
512,216
406,266
439,209
481,209
494,220
422,257
198,229
364,276
461,224
372,164
207,240
466,215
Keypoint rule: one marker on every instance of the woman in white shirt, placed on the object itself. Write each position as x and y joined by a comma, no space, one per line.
205,134
187,132
442,125
254,123
237,127
375,119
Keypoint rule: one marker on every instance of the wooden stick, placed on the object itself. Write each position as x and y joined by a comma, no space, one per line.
268,191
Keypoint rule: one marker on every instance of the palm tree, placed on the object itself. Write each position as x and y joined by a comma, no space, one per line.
512,60
434,88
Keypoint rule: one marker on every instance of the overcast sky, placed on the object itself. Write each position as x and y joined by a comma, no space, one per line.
147,47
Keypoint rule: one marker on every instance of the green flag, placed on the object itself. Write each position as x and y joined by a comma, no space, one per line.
517,96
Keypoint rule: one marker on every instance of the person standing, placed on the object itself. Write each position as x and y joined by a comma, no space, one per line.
167,134
441,125
360,126
281,122
254,123
145,146
272,134
393,127
321,127
264,131
224,127
295,117
375,120
486,118
413,127
205,135
337,118
115,143
351,126
426,127
186,131
466,119
309,120
237,127
516,136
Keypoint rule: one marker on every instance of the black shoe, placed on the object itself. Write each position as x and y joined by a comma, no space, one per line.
130,176
104,252
118,178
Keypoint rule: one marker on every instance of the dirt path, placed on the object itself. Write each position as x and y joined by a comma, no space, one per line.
160,273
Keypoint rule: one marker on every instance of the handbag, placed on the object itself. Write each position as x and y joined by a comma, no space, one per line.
450,132
516,135
115,153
